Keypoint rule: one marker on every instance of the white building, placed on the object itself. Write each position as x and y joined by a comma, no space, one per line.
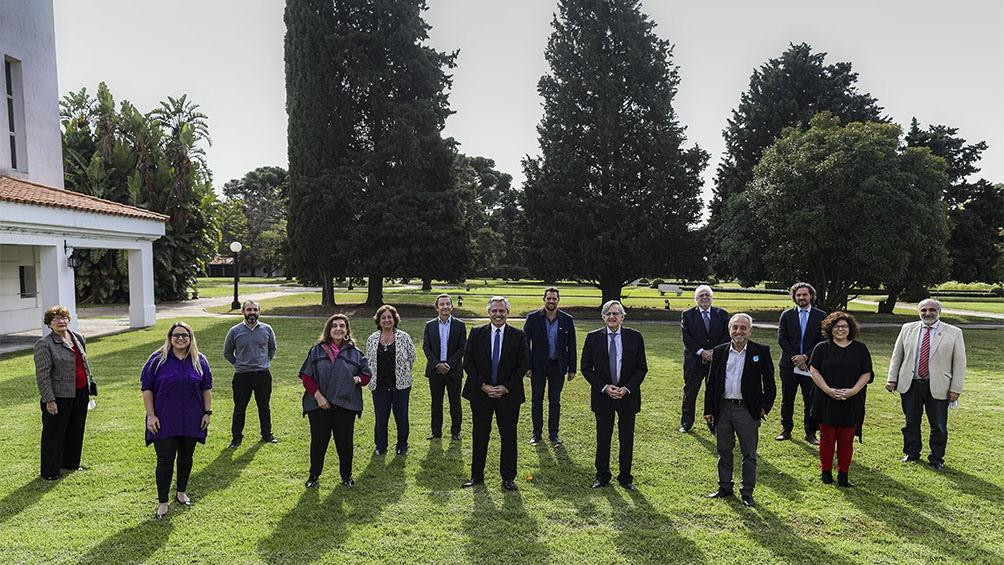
40,222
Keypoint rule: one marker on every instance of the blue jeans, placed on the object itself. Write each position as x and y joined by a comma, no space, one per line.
386,400
552,381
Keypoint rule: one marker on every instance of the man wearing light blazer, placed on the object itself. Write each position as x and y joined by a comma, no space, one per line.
928,369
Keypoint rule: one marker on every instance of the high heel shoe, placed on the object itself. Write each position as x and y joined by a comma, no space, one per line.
157,514
187,502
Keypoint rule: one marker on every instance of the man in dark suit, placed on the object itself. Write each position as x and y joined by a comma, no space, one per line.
443,343
798,331
704,327
614,364
496,359
550,333
740,393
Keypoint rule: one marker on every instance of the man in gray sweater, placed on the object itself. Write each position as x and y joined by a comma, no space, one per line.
250,347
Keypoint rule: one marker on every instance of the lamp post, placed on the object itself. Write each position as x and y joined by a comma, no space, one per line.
236,248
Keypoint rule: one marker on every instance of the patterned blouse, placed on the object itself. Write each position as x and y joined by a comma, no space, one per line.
403,360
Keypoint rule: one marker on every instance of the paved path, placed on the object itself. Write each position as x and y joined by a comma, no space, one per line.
955,311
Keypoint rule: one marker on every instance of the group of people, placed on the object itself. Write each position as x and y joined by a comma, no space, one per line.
821,357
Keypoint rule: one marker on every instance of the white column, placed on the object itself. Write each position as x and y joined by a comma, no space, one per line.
142,311
57,281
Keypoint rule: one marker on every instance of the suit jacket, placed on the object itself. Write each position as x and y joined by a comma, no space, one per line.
757,384
454,347
789,331
514,360
946,360
56,366
595,367
535,329
695,337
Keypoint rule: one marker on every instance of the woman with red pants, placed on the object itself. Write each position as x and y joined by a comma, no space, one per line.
841,367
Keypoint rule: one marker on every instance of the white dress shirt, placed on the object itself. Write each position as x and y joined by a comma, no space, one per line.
734,373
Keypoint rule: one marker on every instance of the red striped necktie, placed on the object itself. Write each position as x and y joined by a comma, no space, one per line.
923,370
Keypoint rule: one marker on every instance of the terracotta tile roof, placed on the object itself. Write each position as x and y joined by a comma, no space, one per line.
25,192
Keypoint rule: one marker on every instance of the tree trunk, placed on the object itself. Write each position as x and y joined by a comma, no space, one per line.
611,289
327,289
427,283
374,291
886,306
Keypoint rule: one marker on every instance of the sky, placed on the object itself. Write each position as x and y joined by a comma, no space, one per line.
940,62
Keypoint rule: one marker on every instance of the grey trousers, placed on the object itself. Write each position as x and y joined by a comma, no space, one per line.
734,420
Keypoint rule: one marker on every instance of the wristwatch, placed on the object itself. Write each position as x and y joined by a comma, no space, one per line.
208,412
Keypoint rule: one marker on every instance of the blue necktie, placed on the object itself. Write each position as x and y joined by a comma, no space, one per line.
802,315
496,350
612,352
707,321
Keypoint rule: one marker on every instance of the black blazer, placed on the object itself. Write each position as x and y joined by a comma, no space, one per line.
514,360
695,337
454,347
596,369
789,331
536,337
757,386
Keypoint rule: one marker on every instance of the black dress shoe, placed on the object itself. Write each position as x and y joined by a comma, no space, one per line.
748,500
783,436
684,429
534,440
455,437
234,444
938,466
473,482
627,486
269,439
509,486
720,493
348,482
311,482
826,477
379,451
600,484
811,440
909,459
556,441
433,436
50,478
401,450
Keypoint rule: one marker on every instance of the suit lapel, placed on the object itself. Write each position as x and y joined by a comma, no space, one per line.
936,340
604,353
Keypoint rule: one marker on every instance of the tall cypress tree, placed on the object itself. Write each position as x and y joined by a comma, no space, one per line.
614,190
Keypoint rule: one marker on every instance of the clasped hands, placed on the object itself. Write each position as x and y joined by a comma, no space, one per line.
494,391
800,361
616,392
442,368
840,393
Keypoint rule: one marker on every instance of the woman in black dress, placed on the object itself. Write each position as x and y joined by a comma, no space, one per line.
841,367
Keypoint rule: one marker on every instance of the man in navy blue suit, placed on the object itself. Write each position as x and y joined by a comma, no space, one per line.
798,332
550,333
704,327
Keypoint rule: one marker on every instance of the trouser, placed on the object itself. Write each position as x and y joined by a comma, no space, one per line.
386,400
843,440
438,384
551,381
734,420
168,449
481,422
790,384
244,384
691,387
625,442
335,422
63,434
915,401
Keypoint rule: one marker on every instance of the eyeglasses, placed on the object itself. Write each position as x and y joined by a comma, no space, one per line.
614,314
60,319
181,336
844,327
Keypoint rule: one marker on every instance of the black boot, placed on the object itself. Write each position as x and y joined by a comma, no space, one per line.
827,477
842,480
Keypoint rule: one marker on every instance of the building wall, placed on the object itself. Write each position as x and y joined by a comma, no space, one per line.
19,313
27,36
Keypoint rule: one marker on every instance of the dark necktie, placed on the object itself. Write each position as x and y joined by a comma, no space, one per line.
923,368
707,321
496,352
612,352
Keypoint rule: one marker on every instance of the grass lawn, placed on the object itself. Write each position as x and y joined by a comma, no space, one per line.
250,504
215,291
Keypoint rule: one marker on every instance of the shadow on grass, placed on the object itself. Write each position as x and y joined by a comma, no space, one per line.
222,471
132,545
975,486
441,470
767,474
24,497
313,528
518,543
783,541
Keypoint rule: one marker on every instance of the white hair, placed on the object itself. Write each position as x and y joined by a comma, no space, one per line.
930,301
610,304
749,318
702,288
497,299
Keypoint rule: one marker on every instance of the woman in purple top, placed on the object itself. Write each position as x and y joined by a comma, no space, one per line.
177,391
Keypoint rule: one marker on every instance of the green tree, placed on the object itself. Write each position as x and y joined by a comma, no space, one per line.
873,207
261,195
783,92
155,161
492,207
614,190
